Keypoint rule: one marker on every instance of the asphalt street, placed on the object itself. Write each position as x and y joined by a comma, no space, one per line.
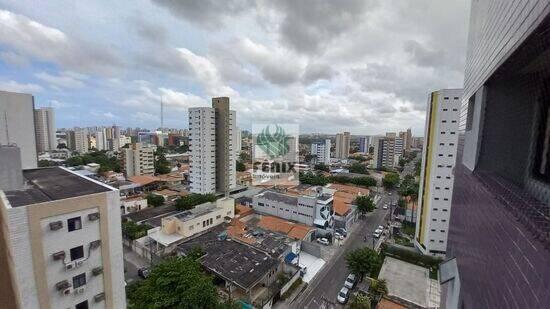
322,291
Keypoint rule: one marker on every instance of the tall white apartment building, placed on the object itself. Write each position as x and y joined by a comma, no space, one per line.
137,160
238,141
212,147
387,151
17,125
101,140
78,140
437,173
44,122
342,145
321,149
61,241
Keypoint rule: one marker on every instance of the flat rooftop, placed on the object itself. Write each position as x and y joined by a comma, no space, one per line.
151,213
198,211
279,197
231,260
51,184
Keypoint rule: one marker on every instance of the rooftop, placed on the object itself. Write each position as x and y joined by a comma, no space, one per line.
292,230
150,212
198,211
50,184
238,263
279,197
143,180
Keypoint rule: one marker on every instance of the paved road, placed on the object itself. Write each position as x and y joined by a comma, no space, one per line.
322,291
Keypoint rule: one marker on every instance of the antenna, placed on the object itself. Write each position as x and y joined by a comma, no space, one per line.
7,130
161,115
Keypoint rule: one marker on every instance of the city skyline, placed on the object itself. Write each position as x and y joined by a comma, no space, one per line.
179,55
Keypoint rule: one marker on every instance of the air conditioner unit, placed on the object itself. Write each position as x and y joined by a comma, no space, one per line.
60,255
93,216
78,263
79,290
99,297
56,225
94,244
69,266
62,285
97,271
67,291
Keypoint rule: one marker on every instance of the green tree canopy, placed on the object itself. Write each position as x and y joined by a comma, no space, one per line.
175,283
390,180
106,162
162,166
358,168
364,204
362,261
360,301
154,200
240,166
189,201
133,230
322,167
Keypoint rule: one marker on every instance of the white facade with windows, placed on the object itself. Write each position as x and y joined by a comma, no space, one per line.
44,121
138,160
322,151
437,172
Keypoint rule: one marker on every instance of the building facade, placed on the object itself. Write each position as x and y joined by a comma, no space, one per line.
63,234
137,160
436,174
342,145
387,151
365,142
499,224
321,150
44,120
17,125
212,147
77,140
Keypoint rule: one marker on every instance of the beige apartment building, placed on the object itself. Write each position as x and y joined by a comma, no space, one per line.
342,145
61,243
137,160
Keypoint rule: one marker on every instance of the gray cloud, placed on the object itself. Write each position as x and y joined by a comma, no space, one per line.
147,30
422,56
316,71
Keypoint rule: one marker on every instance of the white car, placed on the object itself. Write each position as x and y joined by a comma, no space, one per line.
323,241
338,236
385,206
343,295
380,227
350,281
377,233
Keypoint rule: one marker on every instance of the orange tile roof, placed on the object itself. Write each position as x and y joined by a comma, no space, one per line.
341,205
385,303
349,189
244,210
143,179
293,230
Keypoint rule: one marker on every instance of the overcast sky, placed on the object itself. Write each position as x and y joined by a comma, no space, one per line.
357,65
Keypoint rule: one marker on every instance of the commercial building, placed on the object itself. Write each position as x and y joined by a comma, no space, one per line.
321,150
77,140
44,121
62,245
316,210
17,125
212,147
436,174
342,145
137,160
500,221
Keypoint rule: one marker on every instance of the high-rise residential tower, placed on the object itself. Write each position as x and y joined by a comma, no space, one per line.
387,151
44,121
61,242
78,141
321,150
137,160
212,147
342,145
17,125
437,171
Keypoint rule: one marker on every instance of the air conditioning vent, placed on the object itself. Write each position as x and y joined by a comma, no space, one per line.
54,226
78,263
62,285
97,271
79,290
60,255
99,297
67,291
93,216
94,244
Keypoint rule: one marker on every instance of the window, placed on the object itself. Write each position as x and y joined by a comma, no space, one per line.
77,253
218,217
445,98
442,231
260,204
441,241
444,121
456,98
79,280
74,224
82,305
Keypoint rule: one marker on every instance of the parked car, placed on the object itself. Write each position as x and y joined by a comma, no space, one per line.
380,227
350,281
385,206
323,241
338,236
377,233
343,295
342,232
144,272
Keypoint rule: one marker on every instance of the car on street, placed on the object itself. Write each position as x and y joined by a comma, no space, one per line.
338,236
342,232
377,233
385,206
144,272
323,241
380,227
343,295
389,193
350,281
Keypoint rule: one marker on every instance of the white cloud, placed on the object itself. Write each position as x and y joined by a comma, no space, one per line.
14,86
13,58
65,79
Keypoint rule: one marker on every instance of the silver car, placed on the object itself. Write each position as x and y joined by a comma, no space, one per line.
350,281
343,295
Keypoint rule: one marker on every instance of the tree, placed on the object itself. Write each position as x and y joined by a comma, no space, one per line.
155,200
358,168
240,166
378,288
360,301
244,156
175,283
322,167
390,180
162,166
132,231
189,201
313,179
362,261
46,163
364,204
